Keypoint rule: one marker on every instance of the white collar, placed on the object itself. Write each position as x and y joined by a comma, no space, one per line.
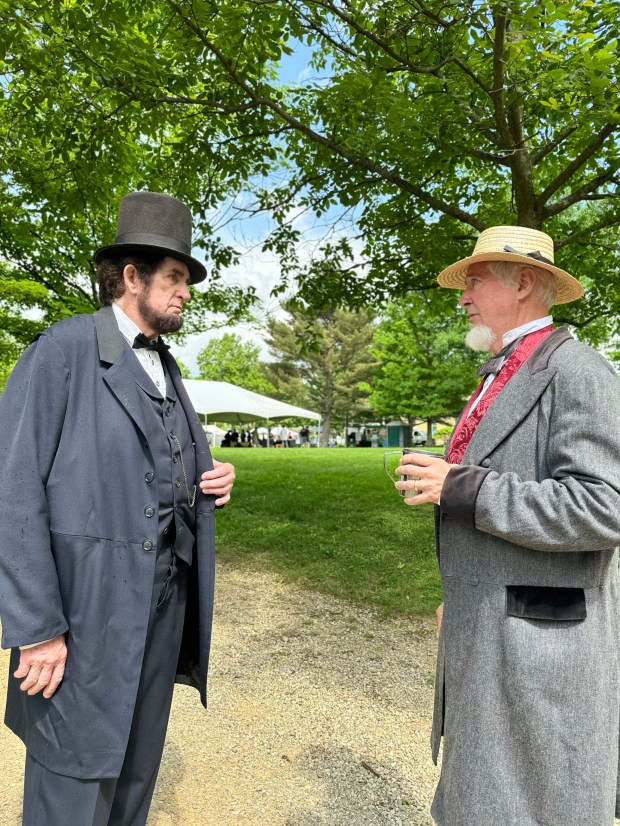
524,329
129,329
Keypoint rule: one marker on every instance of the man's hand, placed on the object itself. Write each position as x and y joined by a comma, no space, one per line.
219,481
431,472
439,617
43,666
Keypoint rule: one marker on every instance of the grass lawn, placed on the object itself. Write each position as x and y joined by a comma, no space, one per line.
331,520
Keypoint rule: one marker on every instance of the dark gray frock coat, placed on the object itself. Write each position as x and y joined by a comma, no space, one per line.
528,671
77,548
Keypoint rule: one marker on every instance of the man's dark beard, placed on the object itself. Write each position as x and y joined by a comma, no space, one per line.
158,321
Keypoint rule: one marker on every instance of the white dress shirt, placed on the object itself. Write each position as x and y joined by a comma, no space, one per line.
149,359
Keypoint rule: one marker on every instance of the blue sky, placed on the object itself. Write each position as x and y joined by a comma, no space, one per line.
257,269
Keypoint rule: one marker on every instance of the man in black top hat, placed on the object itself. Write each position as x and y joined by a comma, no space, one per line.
107,497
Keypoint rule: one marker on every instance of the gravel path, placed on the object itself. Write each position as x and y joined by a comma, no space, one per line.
304,690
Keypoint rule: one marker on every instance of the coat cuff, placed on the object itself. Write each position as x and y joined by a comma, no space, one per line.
33,644
460,491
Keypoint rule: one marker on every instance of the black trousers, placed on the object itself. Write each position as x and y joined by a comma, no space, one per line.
55,800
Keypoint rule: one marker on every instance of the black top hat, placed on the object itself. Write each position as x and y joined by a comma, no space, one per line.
150,221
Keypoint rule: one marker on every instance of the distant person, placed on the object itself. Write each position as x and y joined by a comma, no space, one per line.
529,520
107,493
234,438
374,440
284,435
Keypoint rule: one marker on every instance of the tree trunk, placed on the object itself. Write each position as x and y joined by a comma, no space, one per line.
429,433
328,411
326,428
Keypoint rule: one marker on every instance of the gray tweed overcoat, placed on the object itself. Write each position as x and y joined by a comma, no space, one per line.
77,548
527,685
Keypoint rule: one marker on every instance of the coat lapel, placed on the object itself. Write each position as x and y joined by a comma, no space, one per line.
120,377
503,416
195,427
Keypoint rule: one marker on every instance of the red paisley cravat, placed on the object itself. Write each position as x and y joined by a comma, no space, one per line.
467,425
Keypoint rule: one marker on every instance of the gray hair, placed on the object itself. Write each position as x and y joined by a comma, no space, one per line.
545,289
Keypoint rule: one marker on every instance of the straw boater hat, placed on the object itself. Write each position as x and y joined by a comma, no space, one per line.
520,244
152,222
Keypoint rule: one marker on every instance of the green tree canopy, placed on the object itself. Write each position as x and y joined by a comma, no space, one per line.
422,122
229,358
320,361
73,144
426,371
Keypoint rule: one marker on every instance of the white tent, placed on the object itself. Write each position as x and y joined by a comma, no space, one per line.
215,434
226,402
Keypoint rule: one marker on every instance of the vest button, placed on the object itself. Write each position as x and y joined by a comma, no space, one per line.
149,512
147,545
167,413
486,463
148,477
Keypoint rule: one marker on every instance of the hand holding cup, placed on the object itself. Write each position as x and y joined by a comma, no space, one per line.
422,476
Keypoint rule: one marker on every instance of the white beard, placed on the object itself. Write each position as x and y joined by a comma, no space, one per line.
480,338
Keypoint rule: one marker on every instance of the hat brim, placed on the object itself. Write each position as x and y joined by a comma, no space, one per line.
197,270
454,277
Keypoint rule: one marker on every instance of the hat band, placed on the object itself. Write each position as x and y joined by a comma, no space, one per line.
148,240
536,255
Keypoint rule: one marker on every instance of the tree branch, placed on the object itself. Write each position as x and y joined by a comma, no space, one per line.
603,223
467,109
497,92
499,160
203,102
365,163
584,322
464,68
584,156
553,144
584,193
416,68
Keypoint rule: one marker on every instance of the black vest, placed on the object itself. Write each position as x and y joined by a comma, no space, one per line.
174,459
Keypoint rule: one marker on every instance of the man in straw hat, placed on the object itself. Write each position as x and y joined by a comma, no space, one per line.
528,520
107,532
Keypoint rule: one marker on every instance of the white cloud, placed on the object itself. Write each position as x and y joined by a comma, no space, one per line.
262,271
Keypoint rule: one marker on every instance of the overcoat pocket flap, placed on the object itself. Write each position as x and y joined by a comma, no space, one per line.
538,602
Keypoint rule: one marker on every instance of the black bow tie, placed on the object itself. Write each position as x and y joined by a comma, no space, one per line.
495,364
141,341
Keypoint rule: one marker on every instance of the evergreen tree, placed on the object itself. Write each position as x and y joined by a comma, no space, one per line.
320,361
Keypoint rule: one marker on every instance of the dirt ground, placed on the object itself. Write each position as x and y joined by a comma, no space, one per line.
319,713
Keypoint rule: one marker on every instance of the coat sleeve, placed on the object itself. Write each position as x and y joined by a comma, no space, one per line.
32,410
577,507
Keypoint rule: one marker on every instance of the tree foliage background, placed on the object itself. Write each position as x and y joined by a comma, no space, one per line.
320,362
419,123
229,358
425,371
